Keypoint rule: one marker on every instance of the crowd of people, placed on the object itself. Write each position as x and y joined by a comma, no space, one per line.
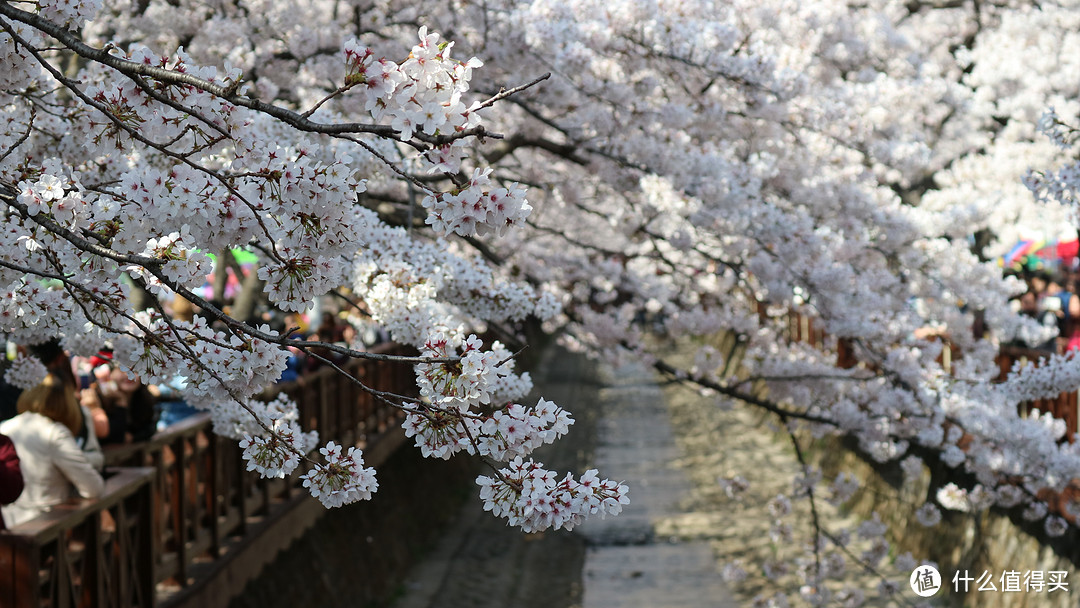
1053,300
51,435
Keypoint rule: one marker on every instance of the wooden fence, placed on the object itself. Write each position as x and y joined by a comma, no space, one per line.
175,503
803,328
1063,406
86,553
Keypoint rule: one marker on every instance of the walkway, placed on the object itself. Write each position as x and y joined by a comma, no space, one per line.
630,561
637,559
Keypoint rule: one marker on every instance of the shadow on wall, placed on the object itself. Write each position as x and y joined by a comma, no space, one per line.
993,541
358,554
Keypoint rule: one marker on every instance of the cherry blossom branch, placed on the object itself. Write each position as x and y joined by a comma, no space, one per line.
150,336
26,134
228,92
72,86
810,495
153,266
745,397
383,396
8,196
504,92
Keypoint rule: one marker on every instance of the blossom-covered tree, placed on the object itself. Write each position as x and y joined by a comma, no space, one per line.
137,161
690,168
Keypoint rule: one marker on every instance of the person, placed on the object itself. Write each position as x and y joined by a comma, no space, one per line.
128,403
1071,323
11,481
1038,281
55,359
51,461
91,369
1029,307
329,329
170,401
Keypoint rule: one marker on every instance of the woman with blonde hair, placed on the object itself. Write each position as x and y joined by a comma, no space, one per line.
52,462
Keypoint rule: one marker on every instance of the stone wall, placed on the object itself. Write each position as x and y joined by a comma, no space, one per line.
357,555
995,541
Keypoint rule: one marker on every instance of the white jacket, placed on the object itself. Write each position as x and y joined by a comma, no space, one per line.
51,464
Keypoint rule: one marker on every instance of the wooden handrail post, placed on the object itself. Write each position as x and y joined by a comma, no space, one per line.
146,543
214,487
20,561
180,510
93,592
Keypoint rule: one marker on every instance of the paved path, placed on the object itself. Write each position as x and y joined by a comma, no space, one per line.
628,564
622,428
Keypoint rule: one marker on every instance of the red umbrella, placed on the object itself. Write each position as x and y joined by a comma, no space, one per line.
1066,250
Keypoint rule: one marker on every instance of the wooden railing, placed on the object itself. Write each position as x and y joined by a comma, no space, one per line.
196,497
804,329
86,553
1063,406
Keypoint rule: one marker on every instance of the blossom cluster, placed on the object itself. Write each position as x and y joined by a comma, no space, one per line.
70,13
466,381
409,286
1062,185
213,361
254,417
478,208
423,95
342,479
1049,378
513,431
535,499
275,454
25,372
460,412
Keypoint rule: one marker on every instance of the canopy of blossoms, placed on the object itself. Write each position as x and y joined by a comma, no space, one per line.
619,173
